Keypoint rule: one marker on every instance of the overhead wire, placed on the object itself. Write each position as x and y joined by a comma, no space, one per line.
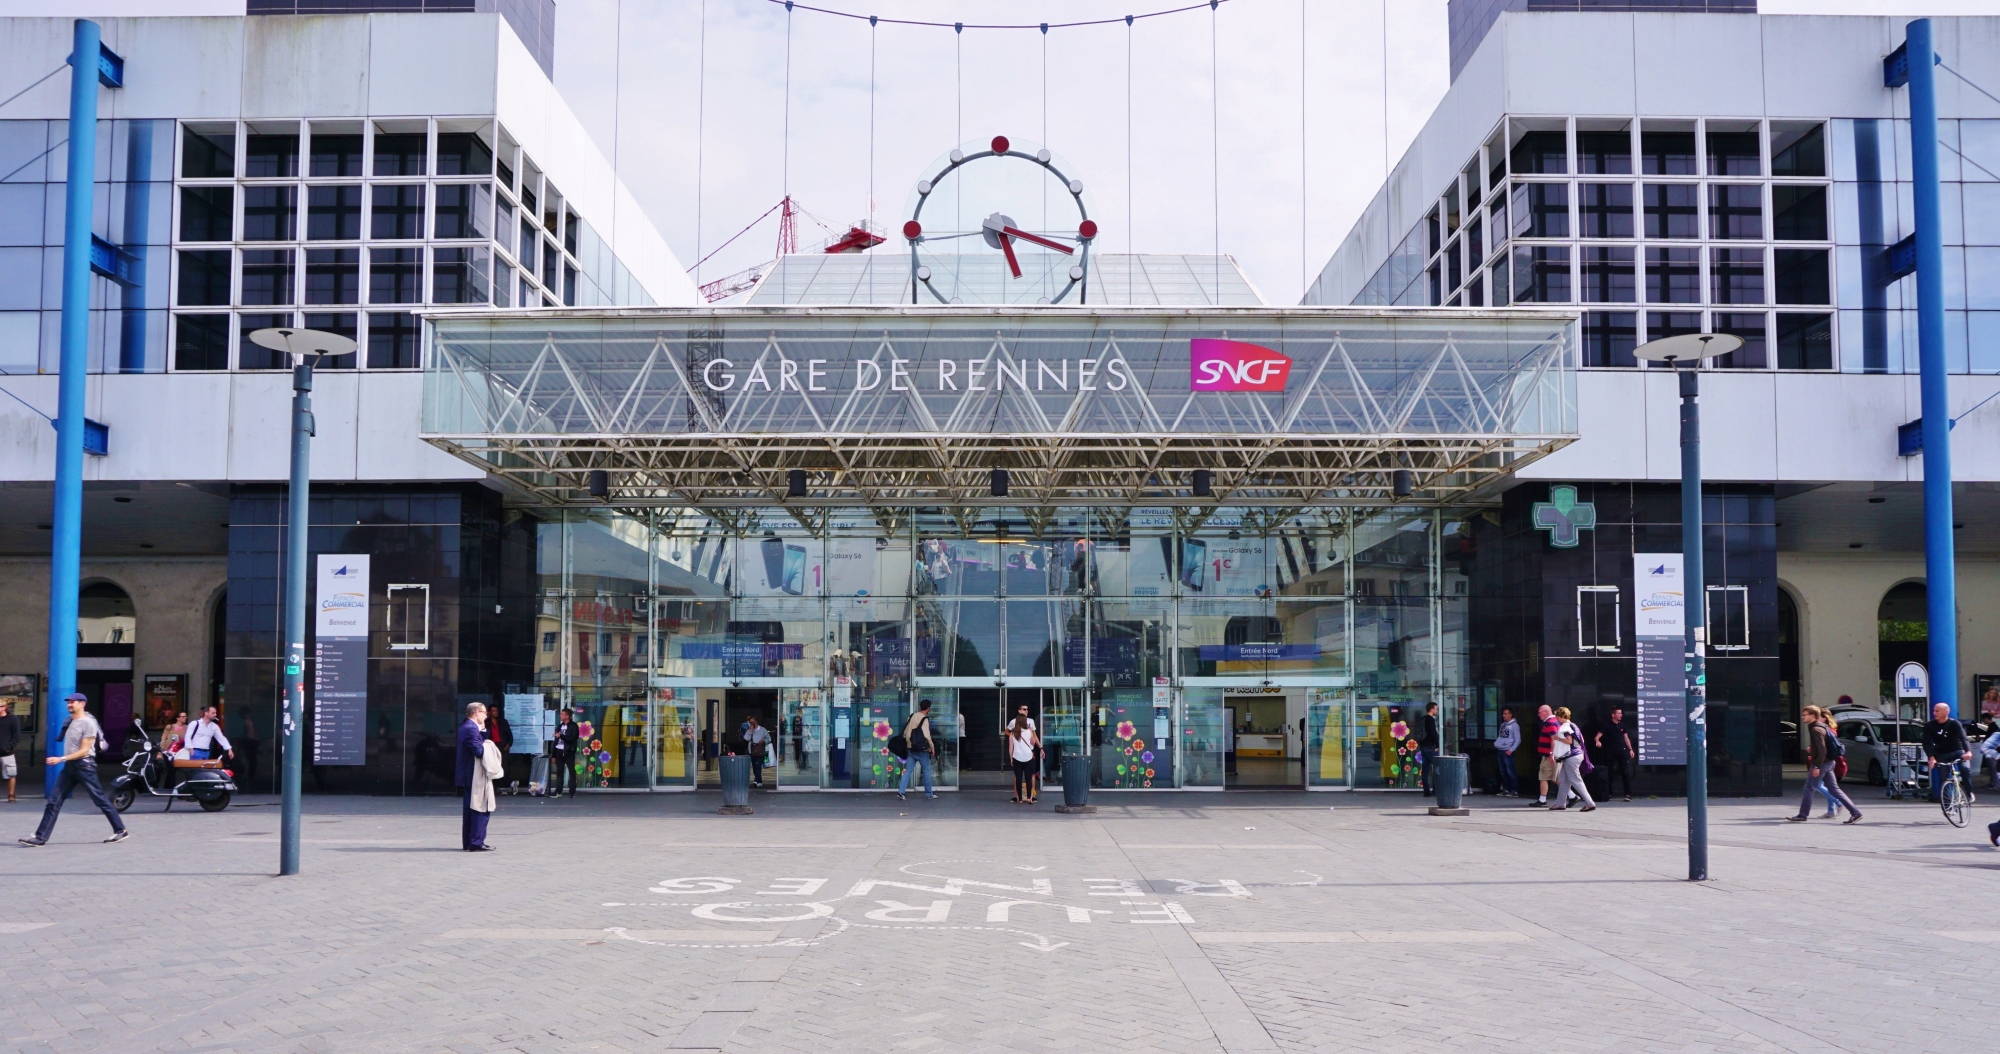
871,125
700,132
1215,145
1304,263
785,172
1130,258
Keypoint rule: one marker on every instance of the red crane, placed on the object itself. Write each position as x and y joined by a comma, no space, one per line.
858,237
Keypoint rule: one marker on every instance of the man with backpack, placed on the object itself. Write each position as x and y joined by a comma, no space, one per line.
922,747
79,765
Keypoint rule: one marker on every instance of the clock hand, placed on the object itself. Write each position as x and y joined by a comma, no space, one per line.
1037,239
1007,247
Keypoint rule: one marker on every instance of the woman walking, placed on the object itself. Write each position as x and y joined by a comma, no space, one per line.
1567,750
1022,741
1820,759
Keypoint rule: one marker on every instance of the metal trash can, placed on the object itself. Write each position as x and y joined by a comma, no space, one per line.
735,769
1448,778
1076,784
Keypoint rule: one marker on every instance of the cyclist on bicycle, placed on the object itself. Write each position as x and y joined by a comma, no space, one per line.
1944,745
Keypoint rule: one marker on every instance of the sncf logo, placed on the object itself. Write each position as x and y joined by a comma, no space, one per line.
1234,366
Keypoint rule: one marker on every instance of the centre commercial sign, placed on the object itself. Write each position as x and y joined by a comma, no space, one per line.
1214,365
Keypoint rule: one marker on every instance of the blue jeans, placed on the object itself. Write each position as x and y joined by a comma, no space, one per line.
917,761
1938,775
198,753
1510,781
72,774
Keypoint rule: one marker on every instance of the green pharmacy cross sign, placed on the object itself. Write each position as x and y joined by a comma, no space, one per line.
1563,516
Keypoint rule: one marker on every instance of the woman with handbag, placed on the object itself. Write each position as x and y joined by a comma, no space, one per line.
1024,745
1823,755
1567,751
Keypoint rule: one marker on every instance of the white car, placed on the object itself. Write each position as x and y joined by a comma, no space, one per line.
1867,737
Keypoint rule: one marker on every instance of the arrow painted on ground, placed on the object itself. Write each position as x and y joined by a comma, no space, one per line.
1042,944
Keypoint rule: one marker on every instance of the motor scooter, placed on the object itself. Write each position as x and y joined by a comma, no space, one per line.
152,771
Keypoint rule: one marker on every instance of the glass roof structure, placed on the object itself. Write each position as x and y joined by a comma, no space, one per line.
917,406
1148,280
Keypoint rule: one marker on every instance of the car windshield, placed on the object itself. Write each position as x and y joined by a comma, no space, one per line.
1910,733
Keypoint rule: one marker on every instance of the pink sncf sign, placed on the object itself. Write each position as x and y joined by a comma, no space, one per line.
1234,366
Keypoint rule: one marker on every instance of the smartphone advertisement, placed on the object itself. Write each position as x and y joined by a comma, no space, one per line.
791,567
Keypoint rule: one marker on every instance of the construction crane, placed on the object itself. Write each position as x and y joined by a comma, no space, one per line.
858,237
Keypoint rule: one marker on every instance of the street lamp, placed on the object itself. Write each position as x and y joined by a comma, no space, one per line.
304,347
1692,348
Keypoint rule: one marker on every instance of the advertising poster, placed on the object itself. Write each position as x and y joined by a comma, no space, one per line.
524,711
166,693
340,660
1660,631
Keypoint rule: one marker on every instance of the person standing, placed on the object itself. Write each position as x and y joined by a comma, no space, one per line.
204,735
1944,744
922,745
79,765
1614,745
10,741
1507,742
1821,753
1545,771
472,755
1022,741
1427,745
562,753
1567,749
756,743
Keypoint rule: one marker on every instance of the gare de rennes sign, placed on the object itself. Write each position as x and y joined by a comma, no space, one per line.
1213,366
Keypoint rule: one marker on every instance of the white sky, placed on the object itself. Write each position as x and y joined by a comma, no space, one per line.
1300,114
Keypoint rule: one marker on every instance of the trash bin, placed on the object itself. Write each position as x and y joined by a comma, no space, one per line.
1076,784
1448,776
735,770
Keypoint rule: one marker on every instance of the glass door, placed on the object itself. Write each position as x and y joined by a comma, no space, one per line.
1326,745
799,740
675,757
1063,728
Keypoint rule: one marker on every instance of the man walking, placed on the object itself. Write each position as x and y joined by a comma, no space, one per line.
1944,744
79,765
1545,773
205,734
1427,745
756,741
1614,745
917,733
471,753
10,741
562,754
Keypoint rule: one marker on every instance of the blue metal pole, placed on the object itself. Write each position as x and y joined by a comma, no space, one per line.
66,520
1940,563
1694,601
298,528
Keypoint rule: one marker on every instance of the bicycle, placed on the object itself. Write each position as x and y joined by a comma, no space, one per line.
1952,796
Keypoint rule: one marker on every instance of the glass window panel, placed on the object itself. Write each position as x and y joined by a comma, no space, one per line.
1751,327
1541,153
1798,150
460,275
1604,153
1127,646
392,340
1235,563
333,276
268,276
208,155
1451,271
550,261
776,637
399,153
1044,638
1672,210
462,210
1500,285
958,638
1805,341
395,276
1541,210
341,322
1735,210
208,214
1673,276
1798,214
503,223
1661,324
270,214
1609,337
1736,276
463,154
1734,154
1541,274
569,286
1608,274
1802,276
336,154
204,277
503,284
1312,638
1667,153
251,355
1605,209
570,225
398,211
270,156
201,342
1475,247
333,213
778,565
530,242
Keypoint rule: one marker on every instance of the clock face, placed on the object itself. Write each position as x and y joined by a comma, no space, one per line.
1000,221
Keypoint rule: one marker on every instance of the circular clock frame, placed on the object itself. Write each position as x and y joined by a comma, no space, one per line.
998,229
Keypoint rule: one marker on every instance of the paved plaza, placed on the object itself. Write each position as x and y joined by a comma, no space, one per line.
842,922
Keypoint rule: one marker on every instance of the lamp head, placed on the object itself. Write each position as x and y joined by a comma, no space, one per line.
1687,347
303,345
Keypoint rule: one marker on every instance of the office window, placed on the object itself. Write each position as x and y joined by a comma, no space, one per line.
270,156
1728,615
208,155
1736,276
503,284
1798,214
506,171
208,214
1499,285
395,276
333,213
1541,153
267,277
549,641
1734,154
1609,337
1605,209
1661,324
1805,341
1673,276
459,276
251,355
1666,153
341,322
1797,149
1750,326
270,214
1604,153
336,154
1672,210
201,342
1451,271
1735,210
333,276
398,211
529,242
1541,210
1541,274
463,210
570,222
399,153
1475,249
1801,276
204,278
1599,625
392,340
463,154
503,222
1606,275
551,259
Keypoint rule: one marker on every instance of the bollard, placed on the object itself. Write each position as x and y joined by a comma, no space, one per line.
735,770
1448,776
1076,785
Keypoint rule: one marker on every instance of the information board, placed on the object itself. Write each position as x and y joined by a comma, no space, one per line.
525,712
340,661
1660,631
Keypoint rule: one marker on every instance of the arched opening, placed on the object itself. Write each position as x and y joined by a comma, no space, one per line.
1903,632
1789,699
107,629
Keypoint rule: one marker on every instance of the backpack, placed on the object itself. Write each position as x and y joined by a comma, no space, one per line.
920,736
899,747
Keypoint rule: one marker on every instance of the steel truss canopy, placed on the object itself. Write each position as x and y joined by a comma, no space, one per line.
908,406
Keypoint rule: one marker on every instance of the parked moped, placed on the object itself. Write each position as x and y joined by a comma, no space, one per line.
153,771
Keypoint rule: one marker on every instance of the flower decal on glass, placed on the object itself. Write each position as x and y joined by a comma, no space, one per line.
1125,729
1399,730
585,728
604,757
1147,757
